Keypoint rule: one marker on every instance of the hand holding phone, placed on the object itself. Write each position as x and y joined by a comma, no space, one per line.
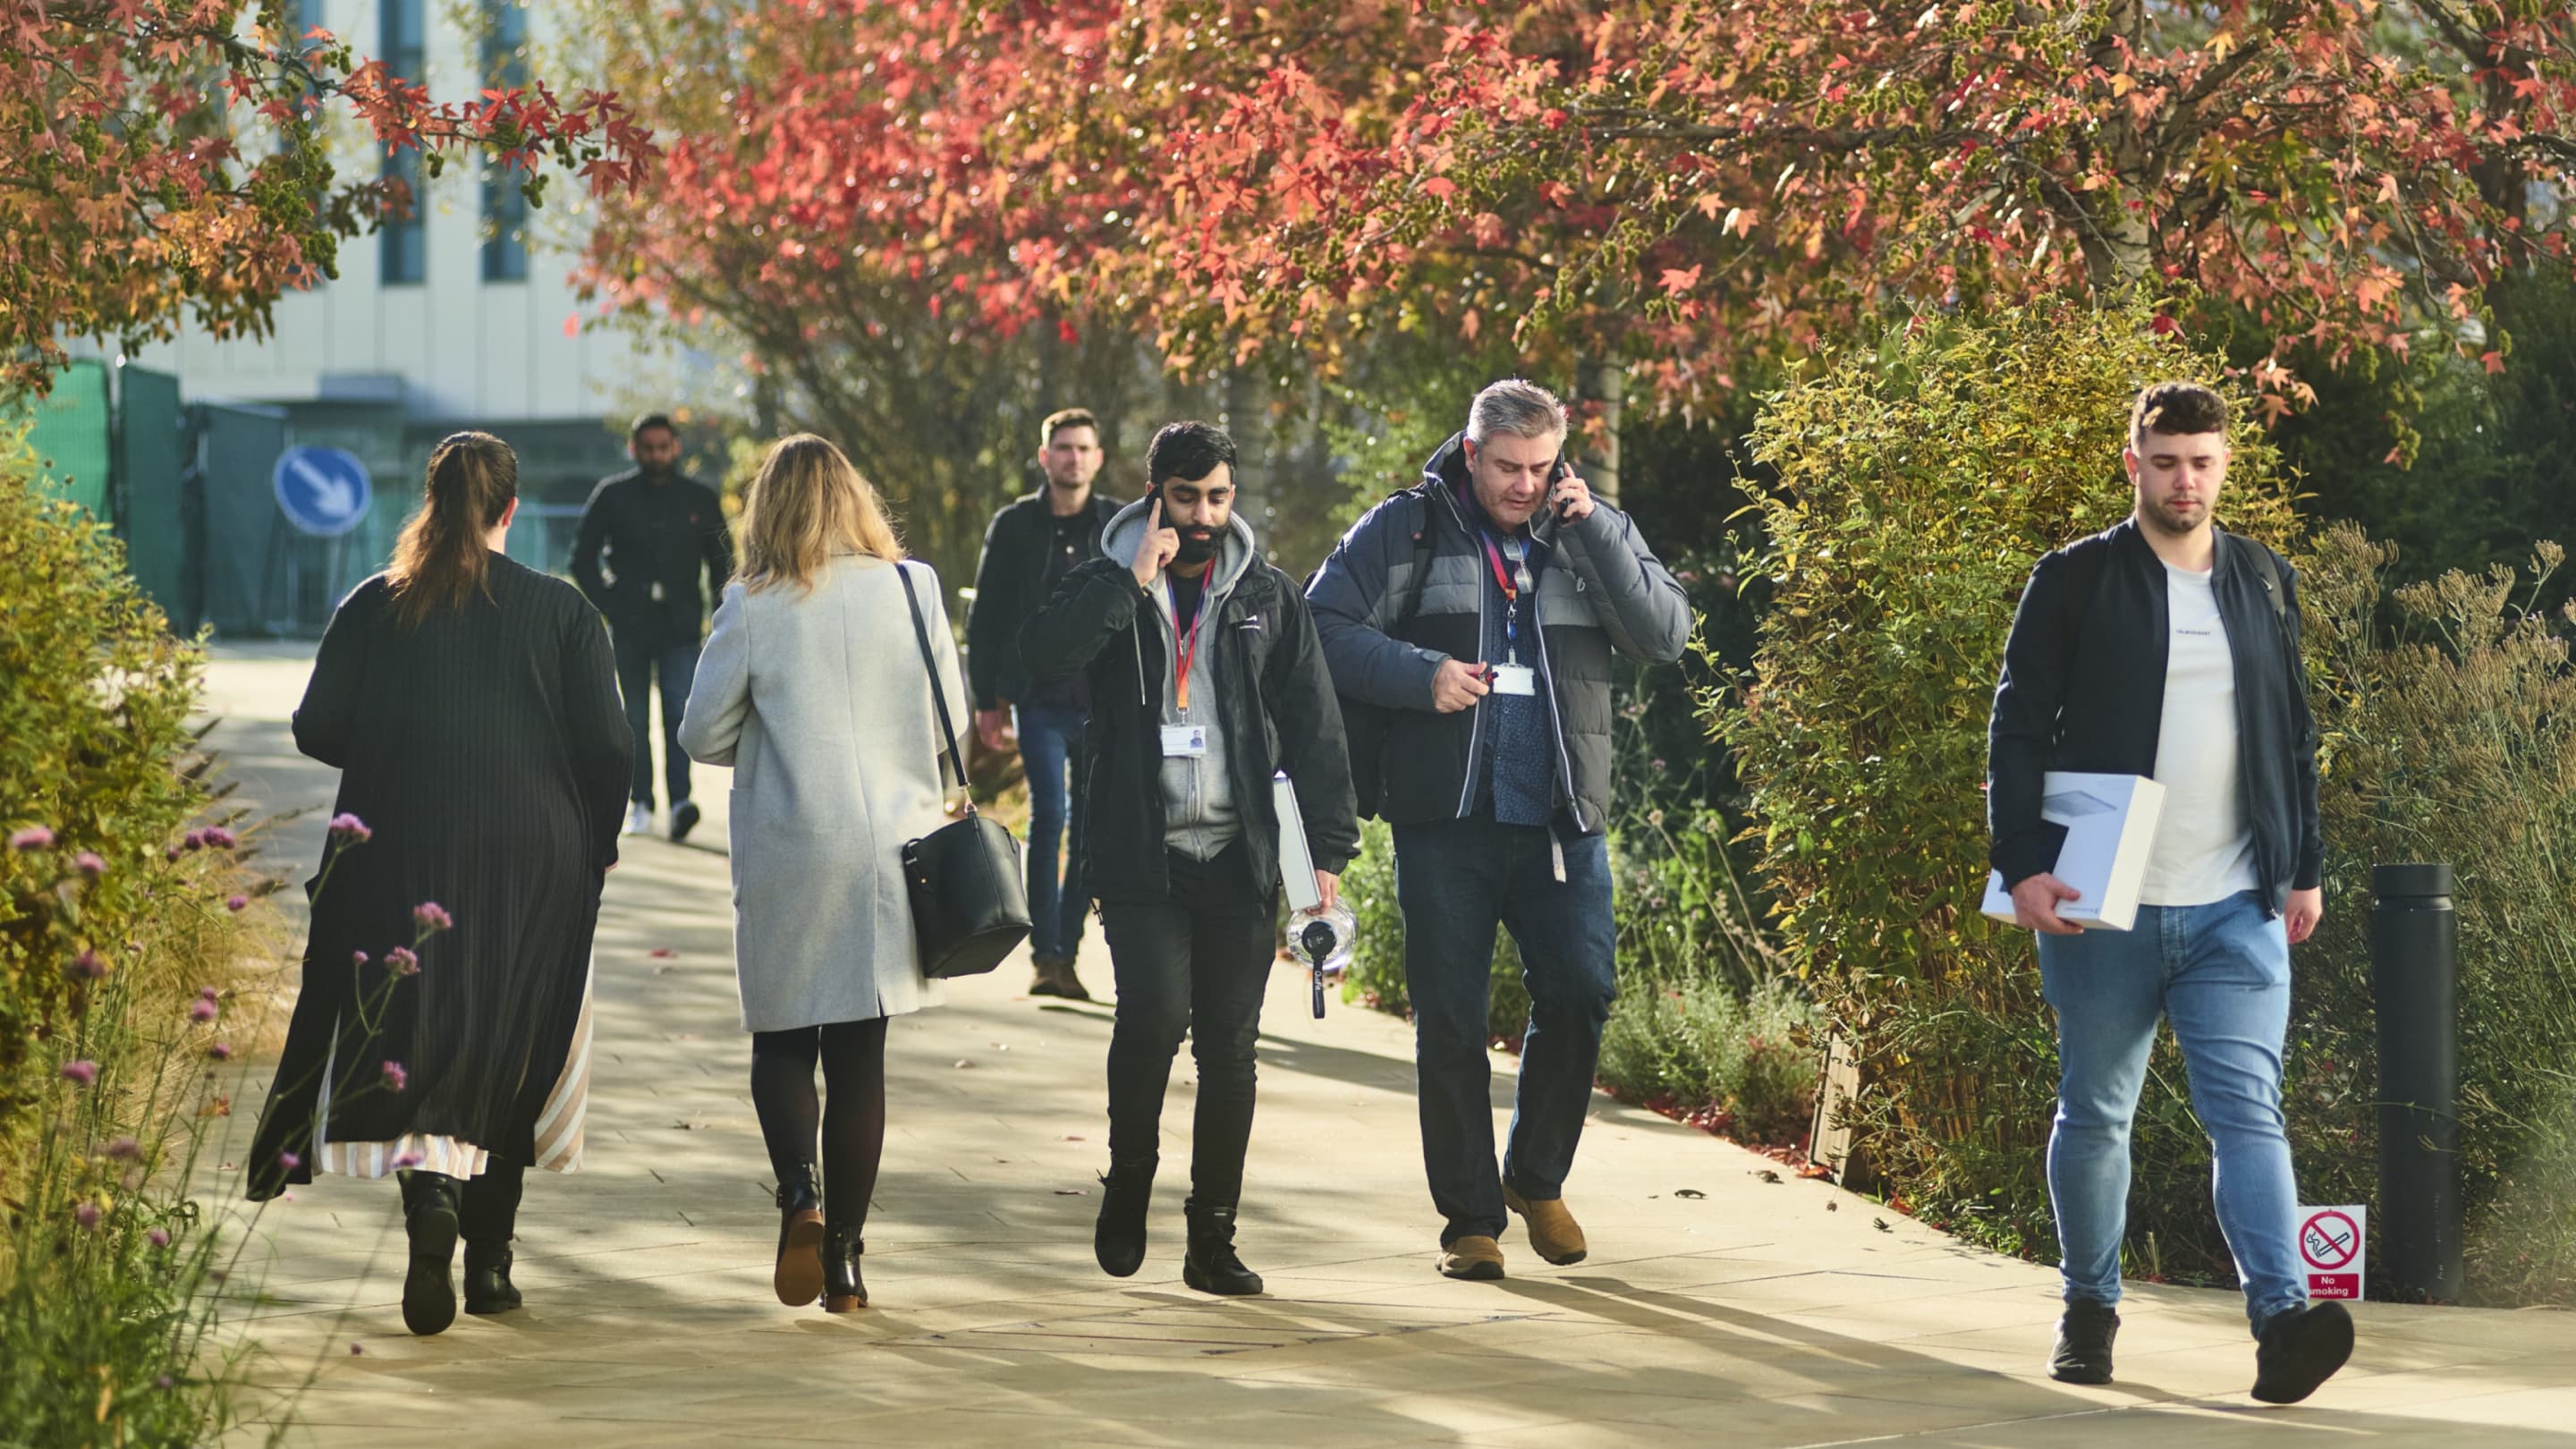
1568,494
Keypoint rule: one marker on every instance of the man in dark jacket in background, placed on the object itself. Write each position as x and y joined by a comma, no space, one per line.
1206,681
1029,548
2169,648
658,531
1496,771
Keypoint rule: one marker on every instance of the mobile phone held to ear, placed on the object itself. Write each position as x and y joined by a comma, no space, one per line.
1555,495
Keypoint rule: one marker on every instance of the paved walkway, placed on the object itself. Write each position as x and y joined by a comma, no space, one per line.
1721,1304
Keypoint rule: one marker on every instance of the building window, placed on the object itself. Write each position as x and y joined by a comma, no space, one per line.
404,241
505,205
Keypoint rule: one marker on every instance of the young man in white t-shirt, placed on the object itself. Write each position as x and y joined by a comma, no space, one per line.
2169,648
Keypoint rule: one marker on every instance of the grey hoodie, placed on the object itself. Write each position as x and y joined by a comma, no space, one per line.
1200,817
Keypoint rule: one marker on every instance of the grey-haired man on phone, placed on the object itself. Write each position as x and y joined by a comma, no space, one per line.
1479,613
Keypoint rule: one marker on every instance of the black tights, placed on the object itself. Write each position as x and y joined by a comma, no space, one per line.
852,1126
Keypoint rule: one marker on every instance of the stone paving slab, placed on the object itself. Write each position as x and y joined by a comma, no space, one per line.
1750,1314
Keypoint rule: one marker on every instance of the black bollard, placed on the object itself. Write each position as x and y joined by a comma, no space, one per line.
2415,972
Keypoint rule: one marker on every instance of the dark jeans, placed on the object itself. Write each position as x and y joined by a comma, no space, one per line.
640,655
1455,882
1050,737
1196,962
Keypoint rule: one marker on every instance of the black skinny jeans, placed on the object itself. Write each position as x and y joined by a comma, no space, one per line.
1196,962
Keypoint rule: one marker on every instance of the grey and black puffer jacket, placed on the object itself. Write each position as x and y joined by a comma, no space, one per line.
1602,592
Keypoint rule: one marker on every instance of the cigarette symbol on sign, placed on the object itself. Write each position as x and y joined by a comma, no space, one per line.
2329,1240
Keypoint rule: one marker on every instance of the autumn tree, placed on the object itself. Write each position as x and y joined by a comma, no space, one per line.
162,159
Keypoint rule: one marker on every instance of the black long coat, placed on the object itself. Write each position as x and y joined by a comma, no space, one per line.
485,751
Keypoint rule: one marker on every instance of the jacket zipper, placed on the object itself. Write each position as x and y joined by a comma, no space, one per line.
1555,719
1476,720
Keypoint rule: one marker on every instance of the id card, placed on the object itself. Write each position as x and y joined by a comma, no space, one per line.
1515,679
1184,742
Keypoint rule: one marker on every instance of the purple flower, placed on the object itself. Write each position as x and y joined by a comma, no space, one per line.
89,864
395,1077
193,840
402,962
431,916
88,965
221,1051
202,1010
34,837
208,993
289,1161
125,1149
357,958
169,852
348,827
355,1350
237,904
87,1215
159,1238
80,1073
220,838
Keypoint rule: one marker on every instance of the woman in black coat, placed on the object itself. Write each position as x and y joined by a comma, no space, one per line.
471,706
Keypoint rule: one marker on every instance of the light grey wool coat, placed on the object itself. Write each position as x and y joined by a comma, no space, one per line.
820,703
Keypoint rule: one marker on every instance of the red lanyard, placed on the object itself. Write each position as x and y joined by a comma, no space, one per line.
1189,645
1494,556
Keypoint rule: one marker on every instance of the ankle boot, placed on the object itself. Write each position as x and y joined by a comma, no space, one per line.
843,1290
1118,1239
430,1202
798,1278
488,1288
1211,1266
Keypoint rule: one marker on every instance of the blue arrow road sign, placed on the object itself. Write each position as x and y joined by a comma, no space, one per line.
322,491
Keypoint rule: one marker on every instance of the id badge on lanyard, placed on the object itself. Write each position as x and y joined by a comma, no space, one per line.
1186,741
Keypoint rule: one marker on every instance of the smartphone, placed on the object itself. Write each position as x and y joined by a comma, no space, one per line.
1556,475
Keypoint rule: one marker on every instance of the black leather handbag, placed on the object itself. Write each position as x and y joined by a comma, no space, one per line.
970,896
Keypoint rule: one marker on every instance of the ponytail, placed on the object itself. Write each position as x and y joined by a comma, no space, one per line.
440,560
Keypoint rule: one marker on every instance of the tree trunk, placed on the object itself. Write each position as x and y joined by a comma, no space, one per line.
1601,388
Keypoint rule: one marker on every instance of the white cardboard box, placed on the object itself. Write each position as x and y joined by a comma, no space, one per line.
2110,825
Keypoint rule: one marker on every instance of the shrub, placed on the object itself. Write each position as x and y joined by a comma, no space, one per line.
1915,483
1700,1047
2453,741
115,947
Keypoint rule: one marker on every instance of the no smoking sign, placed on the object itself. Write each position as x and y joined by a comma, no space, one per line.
2330,1248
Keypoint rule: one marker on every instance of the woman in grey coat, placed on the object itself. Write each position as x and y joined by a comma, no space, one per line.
812,689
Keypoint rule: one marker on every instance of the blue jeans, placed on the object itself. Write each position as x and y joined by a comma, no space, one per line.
2221,974
640,656
1455,881
1050,736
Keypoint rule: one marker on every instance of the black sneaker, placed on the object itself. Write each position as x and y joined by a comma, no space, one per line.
684,818
2083,1353
2299,1349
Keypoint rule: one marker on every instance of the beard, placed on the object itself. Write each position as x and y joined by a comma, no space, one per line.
1196,549
2167,520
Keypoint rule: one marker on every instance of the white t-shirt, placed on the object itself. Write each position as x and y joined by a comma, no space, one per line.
2204,849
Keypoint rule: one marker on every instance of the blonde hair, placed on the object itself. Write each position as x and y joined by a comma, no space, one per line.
440,559
808,504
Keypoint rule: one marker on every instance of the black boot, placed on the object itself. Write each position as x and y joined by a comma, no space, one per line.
799,1274
2083,1352
1211,1266
488,1288
844,1291
2300,1349
1118,1239
430,1202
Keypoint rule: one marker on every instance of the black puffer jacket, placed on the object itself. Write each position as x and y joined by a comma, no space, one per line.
1276,709
1007,591
1611,594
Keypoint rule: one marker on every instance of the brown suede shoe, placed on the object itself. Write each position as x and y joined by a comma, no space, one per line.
1474,1257
1553,1232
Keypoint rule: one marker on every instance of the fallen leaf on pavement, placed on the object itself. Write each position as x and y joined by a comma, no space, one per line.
1688,1192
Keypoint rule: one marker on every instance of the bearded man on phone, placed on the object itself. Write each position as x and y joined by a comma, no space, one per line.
1479,612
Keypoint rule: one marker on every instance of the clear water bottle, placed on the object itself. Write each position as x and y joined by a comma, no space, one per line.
1322,940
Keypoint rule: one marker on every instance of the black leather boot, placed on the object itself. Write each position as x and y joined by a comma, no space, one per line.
2084,1335
488,1288
1118,1239
430,1202
844,1291
1211,1265
799,1274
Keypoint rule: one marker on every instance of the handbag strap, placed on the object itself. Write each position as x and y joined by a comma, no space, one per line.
951,761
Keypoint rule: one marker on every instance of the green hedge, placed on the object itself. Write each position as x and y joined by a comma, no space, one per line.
117,938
